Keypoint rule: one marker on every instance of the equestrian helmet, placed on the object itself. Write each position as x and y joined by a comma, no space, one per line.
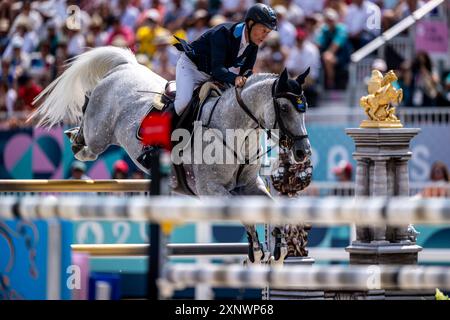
261,13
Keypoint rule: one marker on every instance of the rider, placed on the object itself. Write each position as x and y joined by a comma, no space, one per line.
226,53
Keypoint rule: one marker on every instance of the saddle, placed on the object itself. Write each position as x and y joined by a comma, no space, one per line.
185,121
191,113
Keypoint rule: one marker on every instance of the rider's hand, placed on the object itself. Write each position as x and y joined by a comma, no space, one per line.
240,81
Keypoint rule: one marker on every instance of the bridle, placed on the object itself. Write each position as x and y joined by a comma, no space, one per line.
300,106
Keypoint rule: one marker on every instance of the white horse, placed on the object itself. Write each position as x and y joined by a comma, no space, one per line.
121,92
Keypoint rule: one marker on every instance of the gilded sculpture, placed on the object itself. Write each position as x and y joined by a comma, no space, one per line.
378,104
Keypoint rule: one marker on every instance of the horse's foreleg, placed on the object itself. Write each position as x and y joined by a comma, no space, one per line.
255,248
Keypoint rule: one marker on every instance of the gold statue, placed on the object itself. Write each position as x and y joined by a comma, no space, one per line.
377,104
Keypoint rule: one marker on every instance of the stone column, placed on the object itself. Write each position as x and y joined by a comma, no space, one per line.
379,189
362,188
401,233
362,177
382,155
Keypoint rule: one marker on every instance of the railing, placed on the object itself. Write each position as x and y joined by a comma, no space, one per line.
354,116
347,189
128,187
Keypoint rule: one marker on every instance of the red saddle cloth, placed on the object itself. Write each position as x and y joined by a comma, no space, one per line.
155,130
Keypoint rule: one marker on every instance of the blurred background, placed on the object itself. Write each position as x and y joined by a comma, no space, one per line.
341,40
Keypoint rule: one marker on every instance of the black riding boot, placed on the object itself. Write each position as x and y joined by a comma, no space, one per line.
170,109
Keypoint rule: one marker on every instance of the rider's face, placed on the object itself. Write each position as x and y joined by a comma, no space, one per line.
259,33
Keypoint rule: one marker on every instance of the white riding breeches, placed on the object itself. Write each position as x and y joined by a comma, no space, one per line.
188,78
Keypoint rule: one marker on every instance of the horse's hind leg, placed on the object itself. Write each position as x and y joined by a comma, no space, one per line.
255,248
93,139
75,134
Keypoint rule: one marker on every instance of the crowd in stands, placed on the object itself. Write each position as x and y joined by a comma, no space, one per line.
38,37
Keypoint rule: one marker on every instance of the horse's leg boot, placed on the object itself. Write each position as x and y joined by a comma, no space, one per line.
280,251
255,248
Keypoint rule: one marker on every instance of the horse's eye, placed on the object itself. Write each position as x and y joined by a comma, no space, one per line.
284,108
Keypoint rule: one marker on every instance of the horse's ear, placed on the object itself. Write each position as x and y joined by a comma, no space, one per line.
282,81
301,78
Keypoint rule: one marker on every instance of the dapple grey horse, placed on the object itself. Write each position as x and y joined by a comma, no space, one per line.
121,92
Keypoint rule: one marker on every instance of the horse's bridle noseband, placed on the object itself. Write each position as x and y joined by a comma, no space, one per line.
295,99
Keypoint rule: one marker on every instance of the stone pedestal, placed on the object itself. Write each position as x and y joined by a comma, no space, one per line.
382,170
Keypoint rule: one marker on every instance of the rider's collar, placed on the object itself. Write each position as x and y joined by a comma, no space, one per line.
238,30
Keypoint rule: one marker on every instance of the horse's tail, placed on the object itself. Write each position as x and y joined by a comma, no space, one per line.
65,96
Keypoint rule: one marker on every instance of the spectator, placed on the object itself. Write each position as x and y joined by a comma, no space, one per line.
310,7
76,43
41,64
294,14
120,170
343,171
363,22
6,74
232,7
303,55
198,25
27,90
272,56
439,176
27,14
78,171
20,61
129,14
344,175
425,81
96,37
286,29
165,58
4,38
61,57
402,9
175,18
52,36
216,20
146,34
335,49
341,8
311,26
117,29
446,94
8,98
26,36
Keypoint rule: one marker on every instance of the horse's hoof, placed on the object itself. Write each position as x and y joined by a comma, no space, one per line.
275,263
255,257
258,256
280,257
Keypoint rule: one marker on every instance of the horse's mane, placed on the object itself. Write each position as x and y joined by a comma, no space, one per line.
253,79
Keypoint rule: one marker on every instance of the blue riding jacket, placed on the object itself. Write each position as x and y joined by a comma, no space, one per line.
217,50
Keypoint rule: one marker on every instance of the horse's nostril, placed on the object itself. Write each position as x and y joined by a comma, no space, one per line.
300,154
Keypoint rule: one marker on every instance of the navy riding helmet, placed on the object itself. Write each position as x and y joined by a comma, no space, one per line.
261,13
